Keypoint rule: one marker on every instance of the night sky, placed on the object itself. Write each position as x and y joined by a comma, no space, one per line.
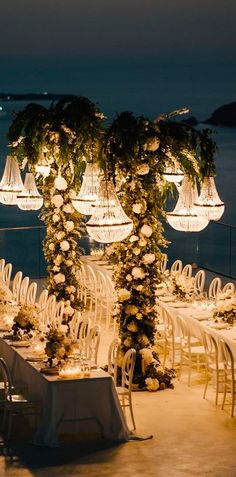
113,26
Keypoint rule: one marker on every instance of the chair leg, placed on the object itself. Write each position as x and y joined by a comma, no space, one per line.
206,385
225,389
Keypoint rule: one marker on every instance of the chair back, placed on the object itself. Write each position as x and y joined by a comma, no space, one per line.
50,310
2,264
227,358
187,270
16,285
211,348
163,262
31,293
199,282
57,313
113,352
128,369
8,386
176,267
6,273
23,290
82,330
214,287
93,343
229,287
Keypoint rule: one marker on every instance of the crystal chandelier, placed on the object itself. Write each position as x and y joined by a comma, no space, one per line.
89,190
29,198
184,216
173,174
11,183
42,167
108,222
208,203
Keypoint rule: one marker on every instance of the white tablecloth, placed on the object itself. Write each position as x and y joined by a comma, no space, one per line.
92,400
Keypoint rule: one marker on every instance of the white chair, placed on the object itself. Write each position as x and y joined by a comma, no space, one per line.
6,274
93,344
191,355
199,282
187,270
113,352
16,285
229,288
57,314
171,340
14,402
214,368
176,267
31,293
23,290
42,302
49,311
214,287
81,333
163,262
229,374
125,390
2,264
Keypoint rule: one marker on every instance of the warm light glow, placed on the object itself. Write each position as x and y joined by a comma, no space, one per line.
11,183
108,223
184,217
29,198
89,190
208,203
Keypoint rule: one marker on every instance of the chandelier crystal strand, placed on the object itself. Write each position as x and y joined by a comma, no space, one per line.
108,223
184,216
173,172
89,190
29,198
11,183
209,204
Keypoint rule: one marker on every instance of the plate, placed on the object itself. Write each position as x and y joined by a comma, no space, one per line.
20,344
35,359
49,371
219,326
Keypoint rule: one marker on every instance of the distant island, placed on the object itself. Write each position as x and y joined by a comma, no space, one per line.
223,116
45,96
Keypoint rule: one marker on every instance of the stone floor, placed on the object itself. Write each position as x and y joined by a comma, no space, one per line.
191,438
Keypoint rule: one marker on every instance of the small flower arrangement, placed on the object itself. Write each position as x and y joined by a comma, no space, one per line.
26,320
58,347
182,287
225,311
5,293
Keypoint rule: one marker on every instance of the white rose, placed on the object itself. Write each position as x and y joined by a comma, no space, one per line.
143,169
60,235
133,238
137,208
68,310
60,183
59,278
136,251
142,242
57,200
69,225
71,289
139,287
68,209
55,218
58,260
69,263
123,294
139,316
152,384
137,272
129,278
149,258
146,230
64,245
51,247
147,355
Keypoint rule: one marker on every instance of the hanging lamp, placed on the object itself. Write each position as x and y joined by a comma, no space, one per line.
184,216
29,198
208,203
11,183
173,172
108,222
42,167
89,190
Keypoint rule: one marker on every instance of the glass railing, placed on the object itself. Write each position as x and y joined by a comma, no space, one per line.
213,249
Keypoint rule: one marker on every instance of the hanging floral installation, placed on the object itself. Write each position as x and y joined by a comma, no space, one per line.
134,153
138,150
56,142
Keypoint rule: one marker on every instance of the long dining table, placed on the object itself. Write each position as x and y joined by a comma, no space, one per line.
67,404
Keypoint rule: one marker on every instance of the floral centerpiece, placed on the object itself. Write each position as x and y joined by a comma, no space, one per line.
8,308
225,311
26,321
182,287
59,347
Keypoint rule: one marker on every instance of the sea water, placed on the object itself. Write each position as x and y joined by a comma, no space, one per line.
144,86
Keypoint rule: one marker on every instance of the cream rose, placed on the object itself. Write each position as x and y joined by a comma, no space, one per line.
133,238
68,209
57,200
139,316
149,258
129,278
152,144
142,242
146,230
69,225
152,384
137,208
51,247
60,183
137,272
59,278
55,218
143,169
132,326
123,294
60,235
136,251
64,245
58,259
131,310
